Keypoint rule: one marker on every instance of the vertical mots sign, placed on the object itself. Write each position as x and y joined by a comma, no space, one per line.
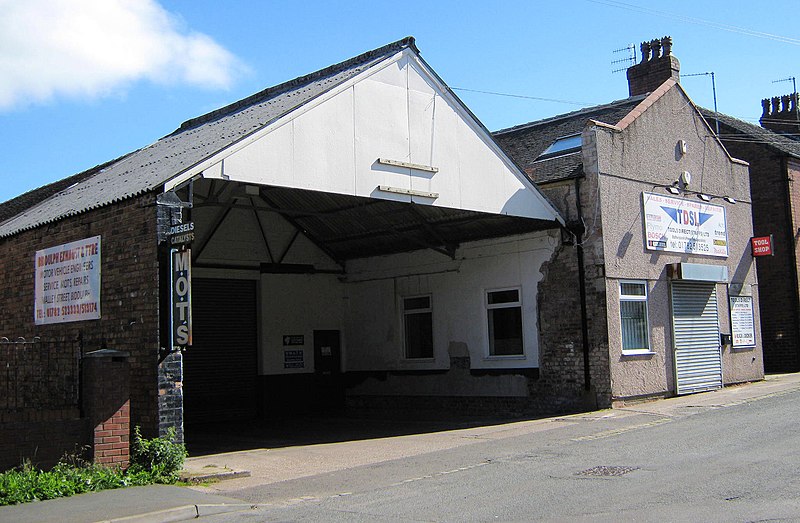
67,282
181,298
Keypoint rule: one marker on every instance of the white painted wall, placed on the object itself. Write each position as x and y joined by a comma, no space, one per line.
397,110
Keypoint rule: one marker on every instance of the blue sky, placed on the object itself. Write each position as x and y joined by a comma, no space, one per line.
84,82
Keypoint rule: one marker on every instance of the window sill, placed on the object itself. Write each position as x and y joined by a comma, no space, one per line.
637,353
505,357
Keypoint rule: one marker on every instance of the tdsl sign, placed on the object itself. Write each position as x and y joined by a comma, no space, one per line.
182,298
762,246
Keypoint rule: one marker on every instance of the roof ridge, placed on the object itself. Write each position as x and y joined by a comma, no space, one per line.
270,92
571,114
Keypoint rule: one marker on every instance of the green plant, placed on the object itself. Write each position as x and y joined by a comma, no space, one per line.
159,458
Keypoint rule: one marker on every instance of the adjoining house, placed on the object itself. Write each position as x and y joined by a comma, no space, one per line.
773,152
660,215
354,235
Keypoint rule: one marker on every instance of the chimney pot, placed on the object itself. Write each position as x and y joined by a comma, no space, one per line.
657,66
645,47
666,44
764,108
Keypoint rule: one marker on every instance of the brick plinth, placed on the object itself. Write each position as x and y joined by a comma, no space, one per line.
106,401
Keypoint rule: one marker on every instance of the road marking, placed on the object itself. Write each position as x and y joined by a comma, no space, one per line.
439,474
615,432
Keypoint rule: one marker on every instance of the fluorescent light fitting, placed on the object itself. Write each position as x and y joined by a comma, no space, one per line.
673,190
729,199
704,197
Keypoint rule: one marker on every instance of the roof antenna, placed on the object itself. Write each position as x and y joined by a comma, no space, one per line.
713,91
629,60
794,94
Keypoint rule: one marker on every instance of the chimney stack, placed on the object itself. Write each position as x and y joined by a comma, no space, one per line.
781,114
657,66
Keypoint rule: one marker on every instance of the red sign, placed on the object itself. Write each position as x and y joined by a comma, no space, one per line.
762,246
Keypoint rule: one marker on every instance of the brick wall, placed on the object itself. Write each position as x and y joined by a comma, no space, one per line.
770,187
129,293
561,338
106,406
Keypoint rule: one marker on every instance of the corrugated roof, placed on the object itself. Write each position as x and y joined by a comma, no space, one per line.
733,129
524,143
146,169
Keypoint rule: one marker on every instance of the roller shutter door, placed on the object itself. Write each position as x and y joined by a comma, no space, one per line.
695,326
220,367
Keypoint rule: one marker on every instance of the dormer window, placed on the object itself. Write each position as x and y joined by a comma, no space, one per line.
563,145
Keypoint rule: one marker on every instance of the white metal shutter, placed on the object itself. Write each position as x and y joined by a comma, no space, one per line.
695,326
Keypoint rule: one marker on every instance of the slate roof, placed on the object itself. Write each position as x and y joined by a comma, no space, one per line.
149,168
524,143
735,130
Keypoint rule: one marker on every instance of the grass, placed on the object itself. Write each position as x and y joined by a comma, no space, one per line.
157,460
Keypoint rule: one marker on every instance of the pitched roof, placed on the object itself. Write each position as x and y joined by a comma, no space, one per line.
524,143
148,168
735,130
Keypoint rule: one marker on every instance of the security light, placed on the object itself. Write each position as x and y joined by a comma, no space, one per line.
729,199
704,197
673,190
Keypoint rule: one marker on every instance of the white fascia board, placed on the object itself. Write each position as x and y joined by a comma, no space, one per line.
220,155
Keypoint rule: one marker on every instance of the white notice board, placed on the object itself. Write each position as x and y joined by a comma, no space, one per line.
67,282
743,330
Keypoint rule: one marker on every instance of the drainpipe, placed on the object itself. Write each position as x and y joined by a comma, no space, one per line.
579,229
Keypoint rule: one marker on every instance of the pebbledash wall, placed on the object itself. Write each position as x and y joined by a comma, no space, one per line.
129,322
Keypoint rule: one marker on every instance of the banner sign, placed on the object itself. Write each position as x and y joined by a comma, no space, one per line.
762,246
742,324
67,282
676,225
181,299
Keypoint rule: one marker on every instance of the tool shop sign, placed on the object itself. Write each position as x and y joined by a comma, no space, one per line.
677,225
67,282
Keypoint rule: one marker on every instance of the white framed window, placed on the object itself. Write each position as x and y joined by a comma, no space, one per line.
504,317
418,327
633,316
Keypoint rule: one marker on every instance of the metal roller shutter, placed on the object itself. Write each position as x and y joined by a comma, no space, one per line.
695,326
220,367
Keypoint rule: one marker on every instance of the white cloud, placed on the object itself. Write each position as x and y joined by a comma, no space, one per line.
92,48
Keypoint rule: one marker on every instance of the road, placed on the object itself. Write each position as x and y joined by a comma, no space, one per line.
704,462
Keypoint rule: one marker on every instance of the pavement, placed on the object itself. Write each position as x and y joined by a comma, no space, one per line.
278,461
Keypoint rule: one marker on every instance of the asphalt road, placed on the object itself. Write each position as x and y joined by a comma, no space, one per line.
739,462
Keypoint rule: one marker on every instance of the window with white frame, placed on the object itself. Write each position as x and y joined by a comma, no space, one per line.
418,327
633,316
504,314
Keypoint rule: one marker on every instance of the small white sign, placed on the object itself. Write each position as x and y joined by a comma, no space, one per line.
67,282
743,331
676,225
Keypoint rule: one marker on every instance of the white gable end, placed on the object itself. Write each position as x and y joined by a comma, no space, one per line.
359,139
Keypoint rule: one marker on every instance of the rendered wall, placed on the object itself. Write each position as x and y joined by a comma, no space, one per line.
644,157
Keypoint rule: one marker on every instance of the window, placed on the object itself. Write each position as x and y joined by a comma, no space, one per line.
633,316
504,313
418,327
563,145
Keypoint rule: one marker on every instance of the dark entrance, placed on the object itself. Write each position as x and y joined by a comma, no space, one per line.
220,368
327,369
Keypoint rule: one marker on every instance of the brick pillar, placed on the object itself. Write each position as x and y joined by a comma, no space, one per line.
105,401
170,395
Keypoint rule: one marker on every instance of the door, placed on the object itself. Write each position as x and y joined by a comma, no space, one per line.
695,327
327,369
221,367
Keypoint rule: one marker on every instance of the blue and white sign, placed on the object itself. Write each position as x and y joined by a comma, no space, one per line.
686,226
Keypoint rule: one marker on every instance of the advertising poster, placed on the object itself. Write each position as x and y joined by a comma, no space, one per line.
686,226
67,282
743,330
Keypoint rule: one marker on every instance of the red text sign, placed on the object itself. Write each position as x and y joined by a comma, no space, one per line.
761,245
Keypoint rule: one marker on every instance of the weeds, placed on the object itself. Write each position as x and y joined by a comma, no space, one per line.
157,460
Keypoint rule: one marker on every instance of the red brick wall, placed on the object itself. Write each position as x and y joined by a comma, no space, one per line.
776,208
106,405
129,293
